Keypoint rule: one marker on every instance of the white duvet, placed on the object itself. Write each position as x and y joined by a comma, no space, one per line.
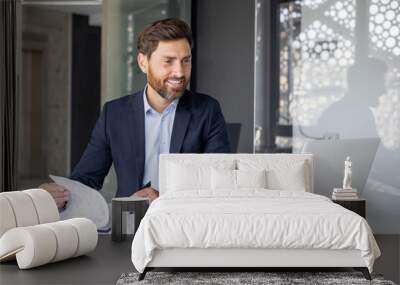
252,218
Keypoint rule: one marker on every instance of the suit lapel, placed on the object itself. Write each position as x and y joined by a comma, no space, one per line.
137,133
181,122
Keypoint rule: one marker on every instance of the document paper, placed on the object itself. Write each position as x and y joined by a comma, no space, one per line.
83,202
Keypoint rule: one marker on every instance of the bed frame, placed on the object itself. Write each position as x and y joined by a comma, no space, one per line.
242,259
246,258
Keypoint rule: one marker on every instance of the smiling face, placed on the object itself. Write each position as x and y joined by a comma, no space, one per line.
168,68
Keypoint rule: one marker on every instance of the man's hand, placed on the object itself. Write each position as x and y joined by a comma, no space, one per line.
147,192
59,193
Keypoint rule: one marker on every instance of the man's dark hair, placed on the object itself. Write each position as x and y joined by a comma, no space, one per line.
163,30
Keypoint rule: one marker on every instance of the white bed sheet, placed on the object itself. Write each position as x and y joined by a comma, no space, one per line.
251,218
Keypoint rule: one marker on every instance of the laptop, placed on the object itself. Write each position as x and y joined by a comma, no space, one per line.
329,157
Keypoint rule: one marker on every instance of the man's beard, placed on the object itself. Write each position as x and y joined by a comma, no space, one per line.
160,86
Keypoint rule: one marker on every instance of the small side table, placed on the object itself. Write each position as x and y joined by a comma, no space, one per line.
357,205
138,205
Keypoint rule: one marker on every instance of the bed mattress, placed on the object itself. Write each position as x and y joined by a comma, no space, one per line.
250,219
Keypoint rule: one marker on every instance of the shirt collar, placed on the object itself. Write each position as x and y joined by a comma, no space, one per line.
148,108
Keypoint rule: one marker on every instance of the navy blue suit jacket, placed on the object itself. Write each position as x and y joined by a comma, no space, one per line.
119,137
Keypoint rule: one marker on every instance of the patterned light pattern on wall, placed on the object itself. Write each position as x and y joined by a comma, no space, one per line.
384,25
344,13
384,21
320,55
316,73
321,72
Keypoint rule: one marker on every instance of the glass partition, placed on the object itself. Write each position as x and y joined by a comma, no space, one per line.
339,68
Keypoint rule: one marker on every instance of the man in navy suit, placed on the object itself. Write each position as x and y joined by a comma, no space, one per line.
134,130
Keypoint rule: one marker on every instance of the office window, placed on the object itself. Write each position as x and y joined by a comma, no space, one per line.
339,78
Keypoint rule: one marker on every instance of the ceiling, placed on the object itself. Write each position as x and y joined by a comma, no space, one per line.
89,7
82,7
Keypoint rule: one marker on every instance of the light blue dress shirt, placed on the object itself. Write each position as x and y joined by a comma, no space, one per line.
158,130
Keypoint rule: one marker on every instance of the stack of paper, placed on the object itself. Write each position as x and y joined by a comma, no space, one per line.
344,194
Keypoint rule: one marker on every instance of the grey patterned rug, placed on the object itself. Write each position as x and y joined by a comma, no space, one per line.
230,278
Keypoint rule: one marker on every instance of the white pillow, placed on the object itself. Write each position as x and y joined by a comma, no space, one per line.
282,174
292,178
236,179
223,179
251,178
183,178
186,174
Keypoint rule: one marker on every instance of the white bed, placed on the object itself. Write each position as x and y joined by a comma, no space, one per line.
198,223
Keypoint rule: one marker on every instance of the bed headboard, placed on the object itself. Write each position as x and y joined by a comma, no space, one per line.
271,157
